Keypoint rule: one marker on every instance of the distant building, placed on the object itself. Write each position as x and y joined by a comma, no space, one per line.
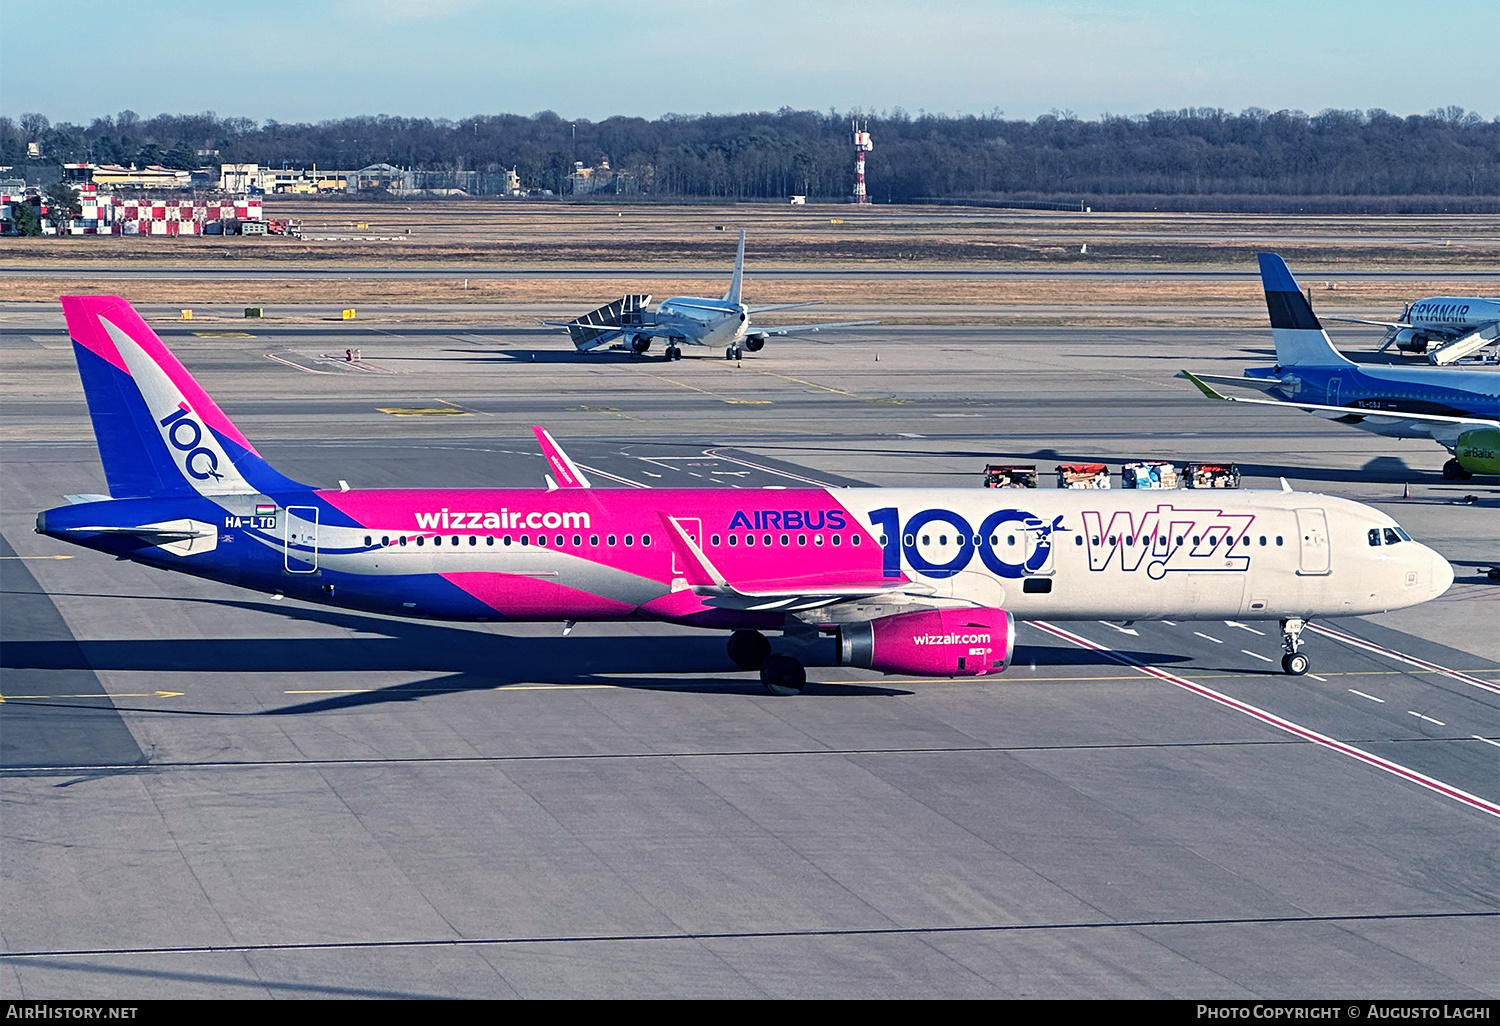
600,181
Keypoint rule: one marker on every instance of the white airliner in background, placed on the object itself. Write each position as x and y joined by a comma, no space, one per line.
628,323
1446,328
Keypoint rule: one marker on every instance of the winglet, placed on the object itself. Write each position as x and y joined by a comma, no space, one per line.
701,573
733,295
567,473
1203,386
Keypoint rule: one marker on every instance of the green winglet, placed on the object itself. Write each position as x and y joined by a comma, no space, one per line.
1204,386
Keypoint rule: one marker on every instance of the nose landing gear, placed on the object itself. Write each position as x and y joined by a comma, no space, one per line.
1295,662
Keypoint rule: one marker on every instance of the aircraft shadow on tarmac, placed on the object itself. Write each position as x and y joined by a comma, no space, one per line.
563,356
463,659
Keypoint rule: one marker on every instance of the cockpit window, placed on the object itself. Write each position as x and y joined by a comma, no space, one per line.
1394,535
1374,536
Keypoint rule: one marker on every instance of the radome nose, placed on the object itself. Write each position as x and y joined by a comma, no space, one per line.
1442,575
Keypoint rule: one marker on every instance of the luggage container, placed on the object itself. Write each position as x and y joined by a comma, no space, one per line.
1082,475
998,475
1150,474
1211,475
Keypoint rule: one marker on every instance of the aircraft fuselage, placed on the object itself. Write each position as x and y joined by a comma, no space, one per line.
591,554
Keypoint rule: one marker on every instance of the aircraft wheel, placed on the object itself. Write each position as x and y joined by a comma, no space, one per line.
783,675
729,353
1454,471
748,649
1295,664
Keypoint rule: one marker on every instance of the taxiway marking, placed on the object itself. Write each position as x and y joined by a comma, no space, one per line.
1271,719
1370,646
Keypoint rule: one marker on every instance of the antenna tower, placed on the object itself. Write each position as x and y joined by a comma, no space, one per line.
862,145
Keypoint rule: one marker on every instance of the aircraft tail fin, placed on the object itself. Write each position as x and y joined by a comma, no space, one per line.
733,295
1300,338
159,432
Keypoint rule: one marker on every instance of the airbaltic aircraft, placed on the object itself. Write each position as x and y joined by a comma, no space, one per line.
626,323
1457,408
924,582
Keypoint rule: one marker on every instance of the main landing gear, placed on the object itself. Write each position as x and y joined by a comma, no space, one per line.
779,674
732,352
672,353
1454,471
1295,662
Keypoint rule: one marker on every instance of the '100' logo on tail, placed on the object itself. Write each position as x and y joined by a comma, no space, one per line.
185,434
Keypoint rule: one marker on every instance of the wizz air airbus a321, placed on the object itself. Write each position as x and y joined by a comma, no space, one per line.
914,581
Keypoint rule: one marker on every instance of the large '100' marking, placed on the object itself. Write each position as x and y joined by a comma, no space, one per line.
899,544
184,433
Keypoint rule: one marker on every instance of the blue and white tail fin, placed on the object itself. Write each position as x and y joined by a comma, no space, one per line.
159,432
1300,338
733,295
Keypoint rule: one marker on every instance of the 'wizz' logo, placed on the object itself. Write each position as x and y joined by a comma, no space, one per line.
1166,539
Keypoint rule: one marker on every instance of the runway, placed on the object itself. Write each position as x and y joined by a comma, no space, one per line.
210,793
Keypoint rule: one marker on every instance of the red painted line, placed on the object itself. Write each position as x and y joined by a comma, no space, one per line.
1431,783
1370,646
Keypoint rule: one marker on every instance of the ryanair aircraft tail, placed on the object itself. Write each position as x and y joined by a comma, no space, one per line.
737,279
159,432
1300,338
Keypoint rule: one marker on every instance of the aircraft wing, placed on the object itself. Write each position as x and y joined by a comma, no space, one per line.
808,329
1348,411
771,596
782,306
591,339
1436,331
1392,325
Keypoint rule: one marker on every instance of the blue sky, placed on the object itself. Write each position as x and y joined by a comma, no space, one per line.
311,60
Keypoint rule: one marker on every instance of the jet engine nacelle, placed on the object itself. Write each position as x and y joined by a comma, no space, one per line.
1478,450
755,343
932,643
1410,340
640,343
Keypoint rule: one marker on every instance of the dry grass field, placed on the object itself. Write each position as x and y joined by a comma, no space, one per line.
469,237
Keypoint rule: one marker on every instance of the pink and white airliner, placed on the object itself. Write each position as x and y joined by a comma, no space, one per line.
925,582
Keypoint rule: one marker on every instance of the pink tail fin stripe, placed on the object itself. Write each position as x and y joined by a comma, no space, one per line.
564,470
87,317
